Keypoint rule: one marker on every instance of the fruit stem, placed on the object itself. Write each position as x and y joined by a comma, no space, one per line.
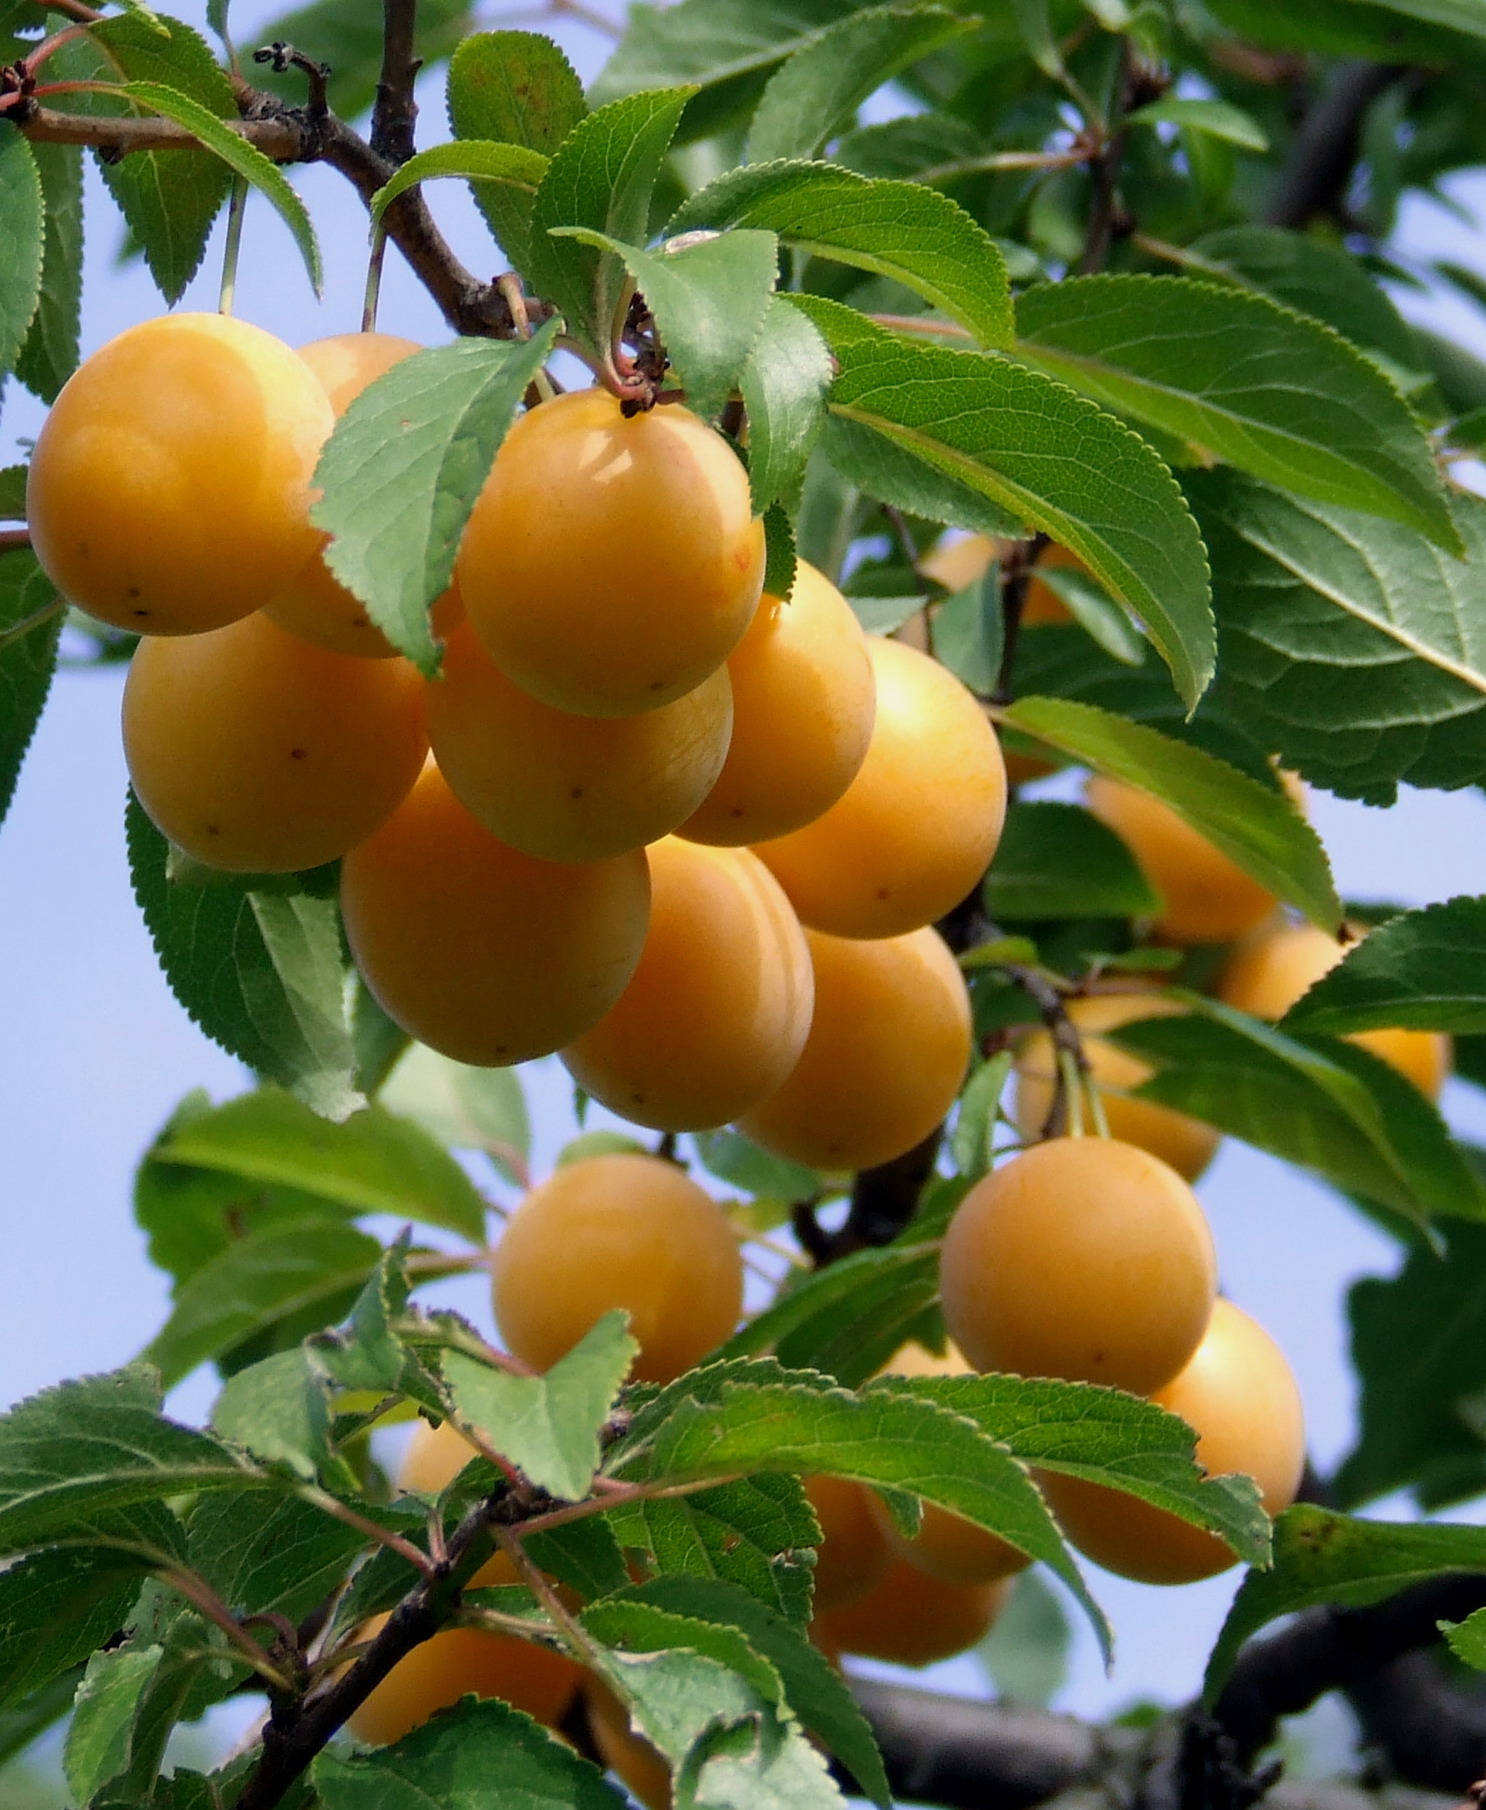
1071,1083
374,265
233,244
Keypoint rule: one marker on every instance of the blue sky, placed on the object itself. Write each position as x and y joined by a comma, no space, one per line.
94,1052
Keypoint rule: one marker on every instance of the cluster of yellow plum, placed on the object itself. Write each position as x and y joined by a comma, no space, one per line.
690,835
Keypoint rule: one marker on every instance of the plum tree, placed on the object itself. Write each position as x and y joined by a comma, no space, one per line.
914,830
169,492
564,787
611,562
257,752
482,952
717,1013
1082,1258
887,1049
1238,1394
618,1231
1187,1144
803,703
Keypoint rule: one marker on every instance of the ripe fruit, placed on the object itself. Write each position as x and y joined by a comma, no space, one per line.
255,752
803,703
916,828
618,1231
1206,897
1238,1394
1082,1258
717,1013
1183,1142
629,1756
483,953
853,1554
313,604
439,1672
610,564
910,1618
1269,972
946,1545
564,787
170,488
434,1458
888,1047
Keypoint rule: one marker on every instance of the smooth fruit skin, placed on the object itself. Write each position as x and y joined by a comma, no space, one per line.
888,1047
946,1545
485,954
911,1618
458,1660
804,700
1187,1144
617,1231
629,1756
853,1553
1081,1258
434,1458
255,752
313,604
609,565
1269,972
1206,897
1240,1397
564,787
170,488
915,830
719,1007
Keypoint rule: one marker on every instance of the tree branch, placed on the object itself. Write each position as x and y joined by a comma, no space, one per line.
122,134
395,110
1319,167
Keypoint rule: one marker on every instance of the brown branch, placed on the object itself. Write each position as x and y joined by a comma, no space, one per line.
1324,153
122,134
1016,575
395,111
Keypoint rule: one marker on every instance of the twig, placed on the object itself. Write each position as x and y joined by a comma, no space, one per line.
13,538
1016,575
395,111
382,1536
1324,153
202,1597
276,138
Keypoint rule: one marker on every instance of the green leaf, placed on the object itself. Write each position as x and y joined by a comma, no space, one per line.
1320,1557
709,300
403,467
517,88
278,1408
244,159
1219,119
1060,861
1423,1376
1049,457
470,1108
886,1437
373,1162
725,47
975,1118
1312,277
26,663
58,1607
1467,1639
1423,971
906,232
847,1319
479,160
819,88
970,633
256,1282
783,384
756,1533
812,1686
347,34
1266,389
548,1425
780,557
1103,1436
74,1454
23,227
1025,1655
108,1700
260,969
1323,1104
49,356
740,1162
13,492
1352,646
1254,825
281,1557
168,198
475,1755
600,177
583,1554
